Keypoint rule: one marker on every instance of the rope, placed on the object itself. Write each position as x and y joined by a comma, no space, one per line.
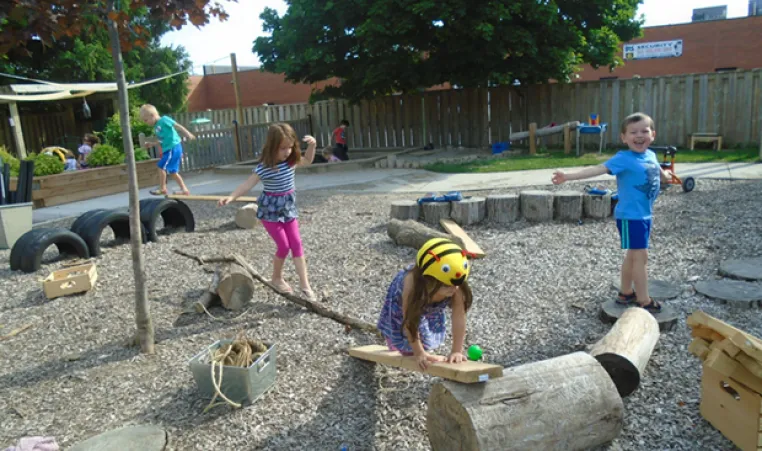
242,352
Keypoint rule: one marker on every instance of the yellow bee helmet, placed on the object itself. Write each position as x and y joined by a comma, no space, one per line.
445,261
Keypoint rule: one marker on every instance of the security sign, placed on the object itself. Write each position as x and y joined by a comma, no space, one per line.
648,50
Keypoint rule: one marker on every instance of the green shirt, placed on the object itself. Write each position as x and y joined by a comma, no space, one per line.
164,129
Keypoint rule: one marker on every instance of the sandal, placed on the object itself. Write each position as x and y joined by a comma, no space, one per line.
653,306
283,286
309,295
158,192
627,299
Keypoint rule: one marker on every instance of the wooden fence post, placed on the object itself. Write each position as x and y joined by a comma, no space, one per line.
533,138
17,133
567,139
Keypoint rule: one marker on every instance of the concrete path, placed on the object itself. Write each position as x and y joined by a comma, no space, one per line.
389,181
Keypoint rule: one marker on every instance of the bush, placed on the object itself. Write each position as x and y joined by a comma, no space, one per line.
141,154
46,164
11,160
105,155
112,133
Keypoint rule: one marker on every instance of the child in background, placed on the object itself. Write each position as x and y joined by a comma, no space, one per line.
71,161
88,143
340,138
166,129
413,318
329,156
637,172
277,202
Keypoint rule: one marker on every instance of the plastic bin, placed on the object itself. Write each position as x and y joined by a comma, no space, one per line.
500,147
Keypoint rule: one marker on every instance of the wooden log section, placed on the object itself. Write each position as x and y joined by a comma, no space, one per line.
537,205
246,217
414,234
468,211
565,403
503,208
405,209
433,212
236,287
567,205
624,351
210,295
596,207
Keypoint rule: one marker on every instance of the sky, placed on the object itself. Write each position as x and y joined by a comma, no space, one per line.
216,41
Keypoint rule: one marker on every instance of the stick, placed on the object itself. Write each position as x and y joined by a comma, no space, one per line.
15,332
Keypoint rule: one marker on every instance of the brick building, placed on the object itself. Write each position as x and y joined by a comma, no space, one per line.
696,47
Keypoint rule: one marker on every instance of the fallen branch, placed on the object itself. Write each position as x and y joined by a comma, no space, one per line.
309,305
15,332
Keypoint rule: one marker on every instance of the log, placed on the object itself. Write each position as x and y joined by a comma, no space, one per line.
433,212
405,209
503,208
414,234
468,211
564,403
624,351
596,206
210,296
246,217
236,287
567,205
536,205
545,131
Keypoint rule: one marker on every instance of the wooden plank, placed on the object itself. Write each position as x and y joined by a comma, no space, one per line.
467,372
699,347
205,197
750,345
725,365
454,229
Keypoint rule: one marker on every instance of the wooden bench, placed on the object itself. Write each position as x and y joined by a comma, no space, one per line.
707,138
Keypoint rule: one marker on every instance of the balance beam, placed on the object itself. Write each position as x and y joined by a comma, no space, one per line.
454,229
467,372
214,198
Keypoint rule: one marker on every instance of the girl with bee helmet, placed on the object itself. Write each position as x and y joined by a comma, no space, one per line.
413,318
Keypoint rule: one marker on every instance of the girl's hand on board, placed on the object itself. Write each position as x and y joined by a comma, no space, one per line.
456,357
224,201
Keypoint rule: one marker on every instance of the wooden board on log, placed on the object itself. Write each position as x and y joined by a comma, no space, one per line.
564,403
414,234
210,198
467,372
454,229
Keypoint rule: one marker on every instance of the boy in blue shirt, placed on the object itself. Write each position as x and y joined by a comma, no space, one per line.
165,128
637,172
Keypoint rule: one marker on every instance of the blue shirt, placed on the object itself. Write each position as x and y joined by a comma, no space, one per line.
276,180
638,178
164,129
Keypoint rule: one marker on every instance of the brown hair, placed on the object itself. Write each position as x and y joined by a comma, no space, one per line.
275,136
424,288
92,139
635,118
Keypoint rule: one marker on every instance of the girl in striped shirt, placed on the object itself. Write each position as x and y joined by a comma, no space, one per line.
277,202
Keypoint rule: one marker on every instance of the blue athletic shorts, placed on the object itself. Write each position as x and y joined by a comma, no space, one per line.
170,160
634,233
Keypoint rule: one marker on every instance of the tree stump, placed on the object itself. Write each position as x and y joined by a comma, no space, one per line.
236,287
564,403
468,211
624,351
567,205
246,217
414,234
405,209
502,208
210,295
537,205
597,206
434,211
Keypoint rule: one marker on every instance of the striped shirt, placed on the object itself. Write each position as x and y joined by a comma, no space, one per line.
278,180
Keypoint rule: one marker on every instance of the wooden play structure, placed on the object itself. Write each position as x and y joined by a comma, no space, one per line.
714,138
533,133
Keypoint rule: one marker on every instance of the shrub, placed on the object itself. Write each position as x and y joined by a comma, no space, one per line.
46,164
11,160
112,133
105,155
141,154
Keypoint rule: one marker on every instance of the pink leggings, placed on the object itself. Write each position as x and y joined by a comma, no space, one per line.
286,237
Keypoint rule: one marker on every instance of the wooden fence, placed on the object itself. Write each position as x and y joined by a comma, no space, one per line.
40,130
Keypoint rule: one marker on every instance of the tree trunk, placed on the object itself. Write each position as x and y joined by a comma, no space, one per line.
564,403
567,205
246,217
468,211
434,211
625,350
414,234
405,209
597,207
537,205
210,295
145,331
236,287
503,208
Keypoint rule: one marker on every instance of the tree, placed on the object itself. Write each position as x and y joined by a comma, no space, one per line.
22,21
376,47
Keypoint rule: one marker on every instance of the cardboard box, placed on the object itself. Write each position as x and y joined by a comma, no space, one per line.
732,408
77,279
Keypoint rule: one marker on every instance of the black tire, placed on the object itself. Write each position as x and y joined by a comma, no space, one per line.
21,244
75,226
174,214
688,184
92,229
67,242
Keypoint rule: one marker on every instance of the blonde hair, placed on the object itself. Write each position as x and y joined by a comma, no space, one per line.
276,134
327,152
634,118
148,109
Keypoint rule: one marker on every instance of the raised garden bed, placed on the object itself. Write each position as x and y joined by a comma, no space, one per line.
73,186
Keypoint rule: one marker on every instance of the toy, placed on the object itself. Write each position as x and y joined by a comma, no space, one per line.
474,352
670,151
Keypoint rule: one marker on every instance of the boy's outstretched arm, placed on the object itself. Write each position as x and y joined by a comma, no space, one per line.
594,171
458,327
184,131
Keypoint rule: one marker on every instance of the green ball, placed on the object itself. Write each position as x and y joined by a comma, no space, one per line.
474,352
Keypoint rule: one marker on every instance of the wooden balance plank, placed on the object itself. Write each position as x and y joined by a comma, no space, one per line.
454,229
214,198
467,372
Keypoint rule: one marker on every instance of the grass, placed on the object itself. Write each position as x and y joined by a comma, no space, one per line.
551,159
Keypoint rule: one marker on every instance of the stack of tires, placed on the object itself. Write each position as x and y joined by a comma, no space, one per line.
83,238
